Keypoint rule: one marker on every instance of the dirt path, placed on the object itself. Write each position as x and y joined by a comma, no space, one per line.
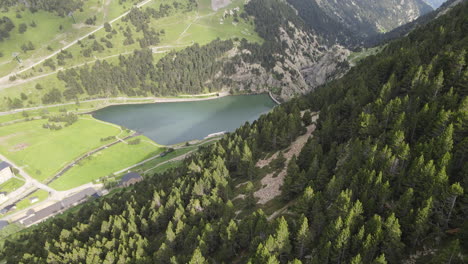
272,185
19,81
191,23
218,4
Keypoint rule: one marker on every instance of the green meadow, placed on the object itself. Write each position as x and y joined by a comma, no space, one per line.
11,185
181,28
106,162
51,31
43,152
41,195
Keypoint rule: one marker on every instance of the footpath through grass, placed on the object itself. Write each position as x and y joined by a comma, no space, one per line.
42,152
106,162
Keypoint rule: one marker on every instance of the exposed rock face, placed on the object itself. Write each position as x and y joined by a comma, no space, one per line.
305,65
370,16
434,3
310,55
351,21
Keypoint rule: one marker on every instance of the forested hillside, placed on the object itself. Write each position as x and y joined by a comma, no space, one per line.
403,30
277,64
383,179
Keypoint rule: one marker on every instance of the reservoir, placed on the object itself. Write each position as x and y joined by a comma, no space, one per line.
171,123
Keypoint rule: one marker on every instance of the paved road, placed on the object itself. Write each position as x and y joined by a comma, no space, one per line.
71,44
27,177
57,196
128,101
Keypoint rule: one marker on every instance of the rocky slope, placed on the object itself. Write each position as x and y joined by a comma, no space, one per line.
304,63
310,49
406,28
351,21
435,3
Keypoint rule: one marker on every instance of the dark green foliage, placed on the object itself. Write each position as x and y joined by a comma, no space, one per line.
184,71
6,26
68,118
53,96
15,103
134,141
384,176
22,28
60,7
49,63
326,26
28,46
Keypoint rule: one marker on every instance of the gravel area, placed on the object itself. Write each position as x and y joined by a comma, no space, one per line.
272,185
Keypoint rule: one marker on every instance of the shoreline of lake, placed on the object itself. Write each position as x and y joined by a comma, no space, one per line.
185,120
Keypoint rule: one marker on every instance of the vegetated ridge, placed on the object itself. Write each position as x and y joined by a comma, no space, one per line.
382,180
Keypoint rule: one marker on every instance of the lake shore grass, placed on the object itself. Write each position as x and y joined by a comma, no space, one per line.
43,152
106,162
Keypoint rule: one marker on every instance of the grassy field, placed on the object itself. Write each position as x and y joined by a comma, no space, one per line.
43,152
106,162
26,202
181,28
11,185
51,30
167,166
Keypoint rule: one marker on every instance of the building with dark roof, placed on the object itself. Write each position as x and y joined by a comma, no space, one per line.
130,178
5,172
58,207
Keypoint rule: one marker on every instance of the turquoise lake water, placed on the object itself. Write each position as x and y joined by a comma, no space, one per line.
171,123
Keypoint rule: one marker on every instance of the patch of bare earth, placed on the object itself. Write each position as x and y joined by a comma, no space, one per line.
4,139
19,147
262,163
218,4
272,185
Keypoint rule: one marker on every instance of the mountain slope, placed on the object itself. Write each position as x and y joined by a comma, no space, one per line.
435,3
356,20
406,28
382,180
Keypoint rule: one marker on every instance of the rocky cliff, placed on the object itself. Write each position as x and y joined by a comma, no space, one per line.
349,22
304,64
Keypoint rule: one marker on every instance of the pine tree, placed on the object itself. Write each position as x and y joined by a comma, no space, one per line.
303,238
197,257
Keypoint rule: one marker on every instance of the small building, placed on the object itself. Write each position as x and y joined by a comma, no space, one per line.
5,172
8,208
34,199
130,179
